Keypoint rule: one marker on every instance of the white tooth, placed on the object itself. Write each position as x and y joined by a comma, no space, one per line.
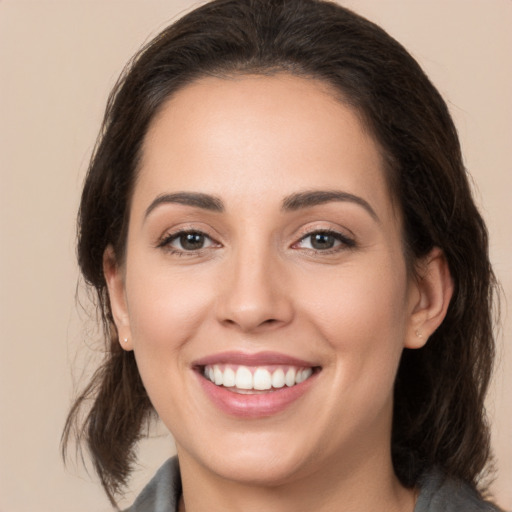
262,379
278,378
217,374
211,375
243,379
302,375
229,378
290,377
307,373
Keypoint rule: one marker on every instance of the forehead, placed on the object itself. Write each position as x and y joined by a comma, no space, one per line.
250,136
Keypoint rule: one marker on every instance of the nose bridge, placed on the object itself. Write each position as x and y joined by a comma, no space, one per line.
254,294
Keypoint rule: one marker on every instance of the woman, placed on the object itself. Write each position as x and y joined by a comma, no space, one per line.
291,271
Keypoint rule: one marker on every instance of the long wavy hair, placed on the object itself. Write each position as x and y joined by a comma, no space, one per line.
439,416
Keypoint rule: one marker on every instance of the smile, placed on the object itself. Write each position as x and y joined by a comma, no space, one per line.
252,386
246,379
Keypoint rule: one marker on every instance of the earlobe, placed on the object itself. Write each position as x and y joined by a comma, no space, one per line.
116,291
434,285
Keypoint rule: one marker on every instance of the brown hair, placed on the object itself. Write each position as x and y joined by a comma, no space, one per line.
439,416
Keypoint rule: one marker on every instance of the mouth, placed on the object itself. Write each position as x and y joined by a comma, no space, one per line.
254,385
256,379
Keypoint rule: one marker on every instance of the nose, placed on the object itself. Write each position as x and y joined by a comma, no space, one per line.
256,294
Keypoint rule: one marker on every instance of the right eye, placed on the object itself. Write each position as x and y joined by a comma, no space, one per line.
187,241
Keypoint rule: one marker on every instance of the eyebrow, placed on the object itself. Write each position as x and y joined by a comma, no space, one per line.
196,199
312,198
293,202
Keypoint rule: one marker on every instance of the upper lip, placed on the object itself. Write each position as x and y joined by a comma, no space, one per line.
256,359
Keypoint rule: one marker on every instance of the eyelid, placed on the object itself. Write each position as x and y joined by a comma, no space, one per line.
325,227
186,226
164,241
345,241
176,236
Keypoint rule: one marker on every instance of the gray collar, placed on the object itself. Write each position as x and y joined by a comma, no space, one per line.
437,493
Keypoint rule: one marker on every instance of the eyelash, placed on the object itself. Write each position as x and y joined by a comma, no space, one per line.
167,240
344,242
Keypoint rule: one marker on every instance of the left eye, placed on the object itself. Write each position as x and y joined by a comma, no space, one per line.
324,240
188,241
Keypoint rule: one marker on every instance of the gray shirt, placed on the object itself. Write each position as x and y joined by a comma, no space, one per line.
437,494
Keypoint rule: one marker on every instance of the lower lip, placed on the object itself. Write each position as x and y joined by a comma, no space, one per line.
258,405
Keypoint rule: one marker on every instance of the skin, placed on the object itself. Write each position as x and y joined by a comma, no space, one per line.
259,285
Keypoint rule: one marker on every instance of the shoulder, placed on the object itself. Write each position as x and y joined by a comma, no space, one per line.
439,493
162,492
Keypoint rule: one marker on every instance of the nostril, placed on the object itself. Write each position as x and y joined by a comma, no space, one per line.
250,324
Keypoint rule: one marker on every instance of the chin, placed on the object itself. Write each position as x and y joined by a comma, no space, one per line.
258,459
259,470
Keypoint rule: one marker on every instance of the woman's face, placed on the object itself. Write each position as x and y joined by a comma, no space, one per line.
264,254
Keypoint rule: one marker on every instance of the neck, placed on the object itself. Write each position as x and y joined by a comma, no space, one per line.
371,485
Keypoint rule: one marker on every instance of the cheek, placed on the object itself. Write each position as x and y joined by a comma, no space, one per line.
165,310
364,325
361,312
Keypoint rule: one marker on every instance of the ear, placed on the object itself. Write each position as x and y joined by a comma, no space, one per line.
433,292
114,278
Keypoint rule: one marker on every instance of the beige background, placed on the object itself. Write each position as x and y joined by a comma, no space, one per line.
58,61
